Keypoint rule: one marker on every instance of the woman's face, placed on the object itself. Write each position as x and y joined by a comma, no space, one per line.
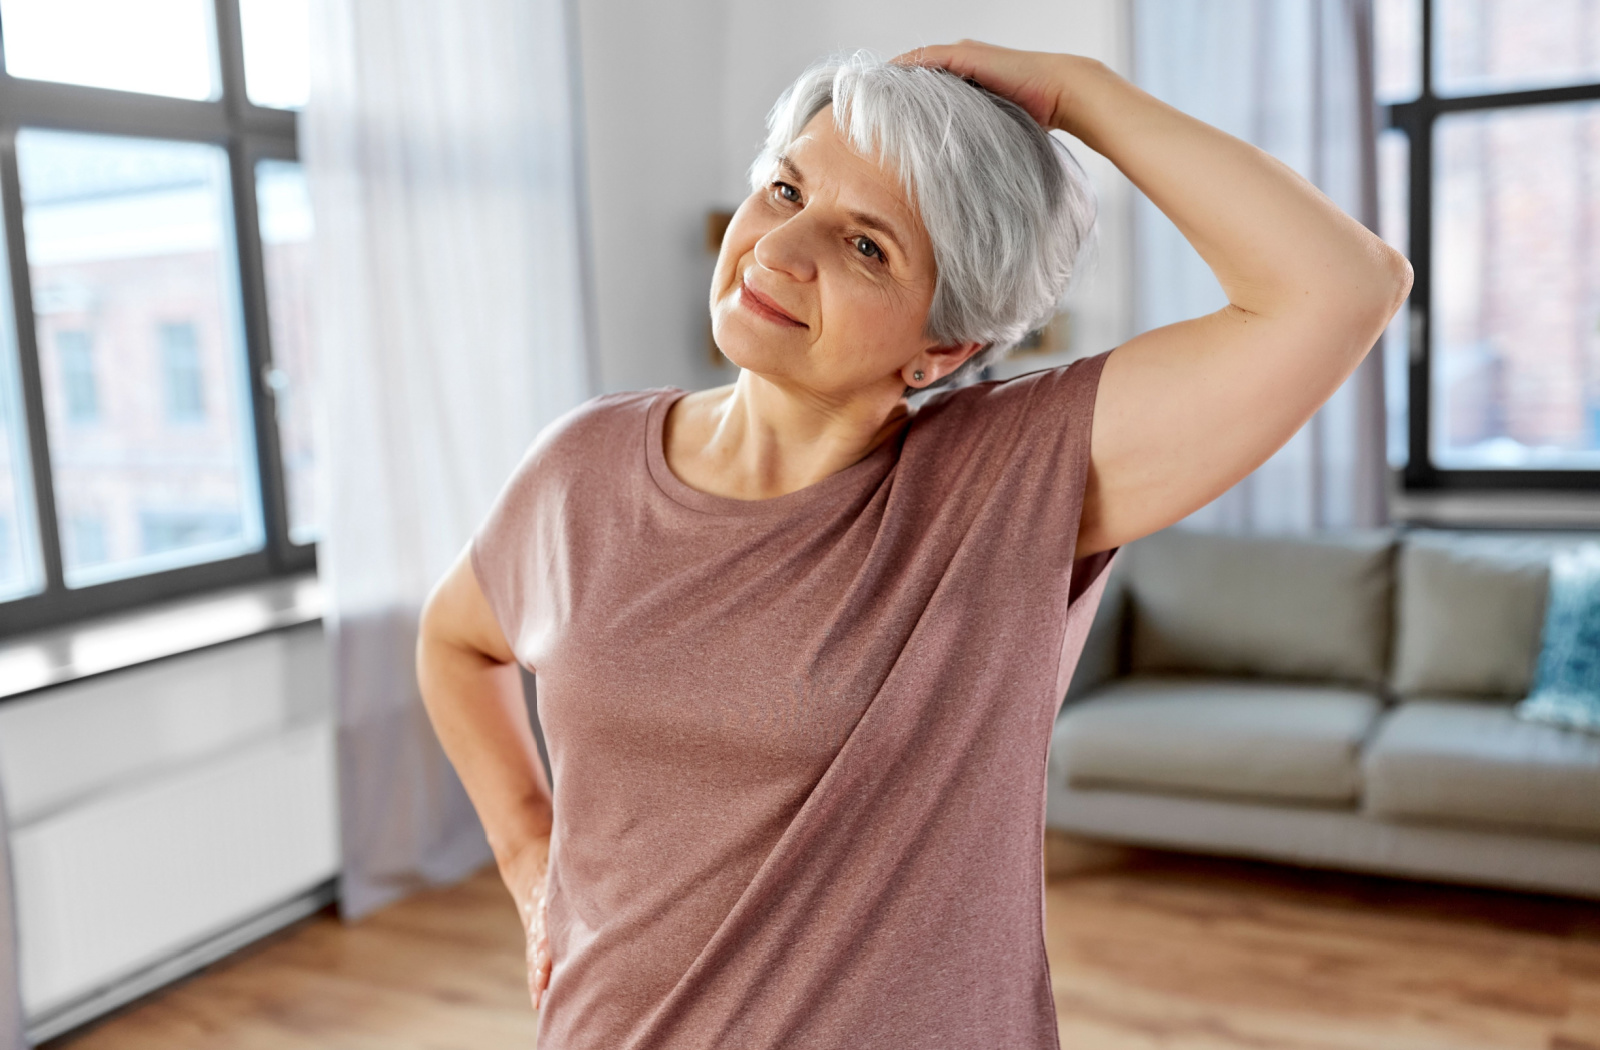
826,275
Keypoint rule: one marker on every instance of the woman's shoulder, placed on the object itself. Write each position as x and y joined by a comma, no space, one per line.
601,430
592,427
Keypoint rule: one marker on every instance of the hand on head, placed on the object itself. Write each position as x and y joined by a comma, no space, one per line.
1028,78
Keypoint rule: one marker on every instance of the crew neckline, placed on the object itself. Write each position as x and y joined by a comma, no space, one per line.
869,468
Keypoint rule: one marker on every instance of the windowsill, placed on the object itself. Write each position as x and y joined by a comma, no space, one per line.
112,643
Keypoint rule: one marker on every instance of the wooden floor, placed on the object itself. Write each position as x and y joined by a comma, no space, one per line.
1147,950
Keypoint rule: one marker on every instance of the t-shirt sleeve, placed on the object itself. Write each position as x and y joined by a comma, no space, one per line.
502,549
1030,438
1051,457
1061,413
520,551
1019,450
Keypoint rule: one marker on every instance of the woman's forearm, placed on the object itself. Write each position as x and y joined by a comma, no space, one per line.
1272,239
476,705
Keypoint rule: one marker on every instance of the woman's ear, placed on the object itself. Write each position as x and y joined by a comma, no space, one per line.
936,362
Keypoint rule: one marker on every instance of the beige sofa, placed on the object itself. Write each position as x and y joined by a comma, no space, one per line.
1338,701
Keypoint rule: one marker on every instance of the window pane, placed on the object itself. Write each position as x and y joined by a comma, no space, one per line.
1398,28
1394,217
277,51
158,47
1506,45
1516,301
135,294
21,567
180,372
79,387
284,205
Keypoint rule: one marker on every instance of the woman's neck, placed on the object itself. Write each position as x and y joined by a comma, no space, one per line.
758,439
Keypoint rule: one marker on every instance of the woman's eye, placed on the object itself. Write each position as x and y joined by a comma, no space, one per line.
866,247
787,192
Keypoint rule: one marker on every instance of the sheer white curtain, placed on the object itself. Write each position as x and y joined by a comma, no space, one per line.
1295,78
441,146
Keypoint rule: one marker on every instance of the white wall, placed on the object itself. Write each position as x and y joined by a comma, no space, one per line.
652,76
676,98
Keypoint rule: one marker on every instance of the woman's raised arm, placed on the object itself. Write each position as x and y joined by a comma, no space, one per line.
1185,411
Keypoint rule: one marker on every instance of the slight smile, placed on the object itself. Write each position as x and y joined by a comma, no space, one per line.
760,305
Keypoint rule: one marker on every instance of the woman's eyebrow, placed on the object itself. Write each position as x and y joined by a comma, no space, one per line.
872,222
880,226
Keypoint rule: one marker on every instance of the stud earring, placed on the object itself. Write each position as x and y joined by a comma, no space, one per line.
917,375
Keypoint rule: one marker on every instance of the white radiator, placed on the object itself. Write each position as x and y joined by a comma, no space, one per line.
215,800
110,886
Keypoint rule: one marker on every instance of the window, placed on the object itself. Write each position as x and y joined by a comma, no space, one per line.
157,47
75,358
154,365
86,541
173,530
277,56
180,370
284,206
1489,178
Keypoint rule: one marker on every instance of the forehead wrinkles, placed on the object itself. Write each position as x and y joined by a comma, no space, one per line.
862,181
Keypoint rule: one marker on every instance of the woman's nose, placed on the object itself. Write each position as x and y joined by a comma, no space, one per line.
789,248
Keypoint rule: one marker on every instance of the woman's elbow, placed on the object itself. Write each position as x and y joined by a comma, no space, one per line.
1356,309
1397,278
1386,284
1377,294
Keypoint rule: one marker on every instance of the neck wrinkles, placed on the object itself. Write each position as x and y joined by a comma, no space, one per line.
763,440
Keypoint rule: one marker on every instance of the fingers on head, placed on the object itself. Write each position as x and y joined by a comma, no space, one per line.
926,55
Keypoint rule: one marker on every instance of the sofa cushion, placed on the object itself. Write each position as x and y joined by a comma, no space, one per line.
1566,686
1316,608
1474,761
1468,619
1222,736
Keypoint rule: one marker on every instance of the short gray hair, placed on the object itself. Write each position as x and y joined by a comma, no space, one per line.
1007,207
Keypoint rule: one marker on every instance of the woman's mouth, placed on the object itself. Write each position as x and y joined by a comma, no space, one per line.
761,306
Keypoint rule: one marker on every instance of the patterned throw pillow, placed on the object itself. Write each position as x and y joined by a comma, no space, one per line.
1566,688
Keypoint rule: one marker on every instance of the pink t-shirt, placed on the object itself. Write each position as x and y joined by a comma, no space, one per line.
799,744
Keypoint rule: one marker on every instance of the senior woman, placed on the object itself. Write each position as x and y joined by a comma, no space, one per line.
800,643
